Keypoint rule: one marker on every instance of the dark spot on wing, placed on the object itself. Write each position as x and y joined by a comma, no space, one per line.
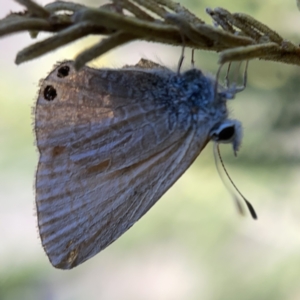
50,93
63,71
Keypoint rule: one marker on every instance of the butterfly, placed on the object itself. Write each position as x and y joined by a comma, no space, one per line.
111,143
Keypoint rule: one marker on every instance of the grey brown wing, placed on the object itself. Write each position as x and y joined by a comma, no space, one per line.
107,154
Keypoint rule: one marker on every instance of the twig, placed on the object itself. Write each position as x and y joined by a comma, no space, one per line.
239,36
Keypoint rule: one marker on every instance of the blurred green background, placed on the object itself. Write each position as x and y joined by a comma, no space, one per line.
192,244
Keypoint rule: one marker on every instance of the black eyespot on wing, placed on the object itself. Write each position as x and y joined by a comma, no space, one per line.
50,93
226,134
63,71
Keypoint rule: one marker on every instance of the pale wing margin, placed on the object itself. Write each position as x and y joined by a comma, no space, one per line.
99,173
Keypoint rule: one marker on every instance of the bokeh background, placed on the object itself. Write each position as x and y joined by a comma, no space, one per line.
192,244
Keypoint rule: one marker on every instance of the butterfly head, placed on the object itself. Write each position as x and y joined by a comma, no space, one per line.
228,132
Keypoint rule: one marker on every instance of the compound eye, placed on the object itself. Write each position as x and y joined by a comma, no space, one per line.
226,134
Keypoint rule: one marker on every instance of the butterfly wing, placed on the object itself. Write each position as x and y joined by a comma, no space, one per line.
108,151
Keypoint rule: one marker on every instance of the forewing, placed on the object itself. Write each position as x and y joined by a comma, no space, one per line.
108,151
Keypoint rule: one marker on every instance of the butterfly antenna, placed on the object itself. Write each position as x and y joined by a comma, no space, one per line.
218,158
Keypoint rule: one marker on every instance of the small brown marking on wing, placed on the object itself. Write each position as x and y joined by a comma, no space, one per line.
102,166
57,150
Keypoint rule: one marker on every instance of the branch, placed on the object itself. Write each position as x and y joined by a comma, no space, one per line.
235,36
